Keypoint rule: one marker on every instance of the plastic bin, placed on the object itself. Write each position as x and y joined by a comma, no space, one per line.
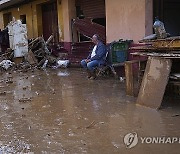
119,50
119,56
120,45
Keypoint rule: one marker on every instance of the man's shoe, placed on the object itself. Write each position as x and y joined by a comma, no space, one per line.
88,74
93,76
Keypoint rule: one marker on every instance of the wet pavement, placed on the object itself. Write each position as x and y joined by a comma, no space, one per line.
60,111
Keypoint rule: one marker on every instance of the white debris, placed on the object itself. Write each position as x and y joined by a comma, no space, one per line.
122,79
45,64
18,38
63,63
6,64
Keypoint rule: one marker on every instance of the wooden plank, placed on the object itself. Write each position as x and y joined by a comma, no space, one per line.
129,79
31,58
154,82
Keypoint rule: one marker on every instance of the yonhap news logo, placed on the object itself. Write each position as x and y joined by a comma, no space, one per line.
132,139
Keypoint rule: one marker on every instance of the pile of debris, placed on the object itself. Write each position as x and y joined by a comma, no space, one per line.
27,54
39,53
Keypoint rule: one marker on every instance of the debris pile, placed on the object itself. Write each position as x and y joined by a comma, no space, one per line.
24,54
162,72
39,53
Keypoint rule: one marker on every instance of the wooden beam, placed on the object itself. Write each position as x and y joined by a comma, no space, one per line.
129,77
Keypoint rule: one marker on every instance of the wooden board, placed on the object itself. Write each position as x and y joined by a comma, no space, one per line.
130,77
30,57
154,82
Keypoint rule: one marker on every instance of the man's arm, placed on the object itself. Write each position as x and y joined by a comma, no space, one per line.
89,56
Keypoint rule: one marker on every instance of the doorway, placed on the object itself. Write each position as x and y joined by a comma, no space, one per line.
167,11
50,21
7,17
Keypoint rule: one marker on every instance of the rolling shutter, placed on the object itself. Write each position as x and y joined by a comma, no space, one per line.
93,8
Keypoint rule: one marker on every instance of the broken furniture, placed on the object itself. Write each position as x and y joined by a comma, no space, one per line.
38,48
133,75
161,53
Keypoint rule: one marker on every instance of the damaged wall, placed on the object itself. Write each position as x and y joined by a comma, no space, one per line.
132,19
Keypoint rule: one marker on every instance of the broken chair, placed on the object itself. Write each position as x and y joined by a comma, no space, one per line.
106,69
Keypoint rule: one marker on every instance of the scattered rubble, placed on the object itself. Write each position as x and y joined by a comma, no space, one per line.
39,56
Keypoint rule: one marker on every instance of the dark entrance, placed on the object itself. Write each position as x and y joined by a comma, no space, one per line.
168,11
50,20
93,10
7,17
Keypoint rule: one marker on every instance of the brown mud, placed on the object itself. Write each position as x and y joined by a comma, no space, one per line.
60,111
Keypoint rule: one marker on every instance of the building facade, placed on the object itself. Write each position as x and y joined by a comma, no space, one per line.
122,19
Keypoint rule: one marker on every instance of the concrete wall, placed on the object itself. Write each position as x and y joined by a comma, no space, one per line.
68,12
60,21
148,17
128,19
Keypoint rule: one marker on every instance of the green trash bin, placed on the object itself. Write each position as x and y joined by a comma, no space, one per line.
120,50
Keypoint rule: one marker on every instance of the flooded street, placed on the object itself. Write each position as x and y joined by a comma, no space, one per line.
60,111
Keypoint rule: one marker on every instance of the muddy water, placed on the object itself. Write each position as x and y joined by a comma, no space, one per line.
60,111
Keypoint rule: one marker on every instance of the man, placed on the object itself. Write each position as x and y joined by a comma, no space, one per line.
95,58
